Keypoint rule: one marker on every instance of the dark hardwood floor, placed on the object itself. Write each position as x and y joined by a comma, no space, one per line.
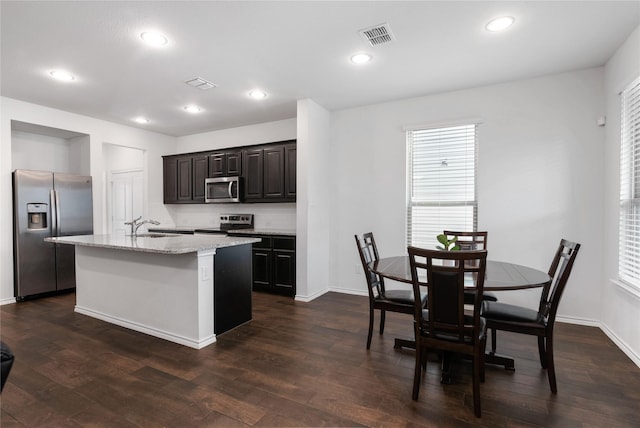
295,364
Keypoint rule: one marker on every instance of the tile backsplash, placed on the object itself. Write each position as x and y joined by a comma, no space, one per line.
266,216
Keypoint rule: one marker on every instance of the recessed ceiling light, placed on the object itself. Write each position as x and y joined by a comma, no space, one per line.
193,109
360,58
153,38
500,24
141,120
257,94
62,75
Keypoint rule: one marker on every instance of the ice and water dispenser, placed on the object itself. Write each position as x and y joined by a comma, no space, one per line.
37,216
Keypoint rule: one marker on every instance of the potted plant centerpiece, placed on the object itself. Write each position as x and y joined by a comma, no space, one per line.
447,244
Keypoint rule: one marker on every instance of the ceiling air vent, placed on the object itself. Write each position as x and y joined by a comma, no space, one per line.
378,34
200,83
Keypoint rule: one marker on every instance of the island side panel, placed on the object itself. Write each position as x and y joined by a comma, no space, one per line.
233,281
159,294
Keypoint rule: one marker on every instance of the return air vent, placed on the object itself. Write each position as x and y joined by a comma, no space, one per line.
200,83
378,34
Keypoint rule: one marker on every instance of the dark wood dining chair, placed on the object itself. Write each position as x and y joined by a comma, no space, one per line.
379,297
472,241
444,325
503,316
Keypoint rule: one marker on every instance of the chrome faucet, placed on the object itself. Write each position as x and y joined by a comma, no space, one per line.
136,223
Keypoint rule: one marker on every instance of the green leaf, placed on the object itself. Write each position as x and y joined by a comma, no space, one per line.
455,248
442,239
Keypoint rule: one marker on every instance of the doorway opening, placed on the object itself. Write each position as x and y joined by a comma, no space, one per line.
125,185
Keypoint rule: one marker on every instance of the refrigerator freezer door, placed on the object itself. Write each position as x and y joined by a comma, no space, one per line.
75,204
74,208
34,259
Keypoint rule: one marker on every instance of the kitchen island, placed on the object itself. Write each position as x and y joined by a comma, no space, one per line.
182,288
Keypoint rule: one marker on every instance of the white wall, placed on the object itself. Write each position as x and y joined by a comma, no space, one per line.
315,186
155,145
122,158
270,216
44,153
540,176
621,308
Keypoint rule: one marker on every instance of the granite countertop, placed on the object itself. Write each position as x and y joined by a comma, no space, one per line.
282,232
155,242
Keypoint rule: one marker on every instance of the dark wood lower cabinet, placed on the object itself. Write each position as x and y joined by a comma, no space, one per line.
274,264
232,287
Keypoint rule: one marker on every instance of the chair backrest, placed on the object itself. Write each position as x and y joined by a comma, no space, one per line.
559,271
470,240
444,273
368,254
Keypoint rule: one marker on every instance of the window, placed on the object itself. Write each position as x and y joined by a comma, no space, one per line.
441,175
629,257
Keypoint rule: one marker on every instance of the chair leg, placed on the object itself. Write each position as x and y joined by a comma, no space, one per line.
551,370
417,371
424,360
370,327
483,347
493,340
382,317
477,368
542,352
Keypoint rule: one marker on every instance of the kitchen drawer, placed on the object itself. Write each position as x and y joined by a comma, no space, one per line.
266,242
280,243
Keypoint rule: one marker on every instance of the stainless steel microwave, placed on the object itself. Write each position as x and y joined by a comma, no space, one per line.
223,190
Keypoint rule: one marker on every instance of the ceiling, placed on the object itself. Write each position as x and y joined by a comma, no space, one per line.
292,50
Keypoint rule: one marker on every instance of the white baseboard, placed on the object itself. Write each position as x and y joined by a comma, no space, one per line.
147,330
311,297
610,334
621,344
350,291
7,301
579,321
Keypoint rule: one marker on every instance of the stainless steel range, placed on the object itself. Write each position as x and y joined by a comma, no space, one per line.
230,222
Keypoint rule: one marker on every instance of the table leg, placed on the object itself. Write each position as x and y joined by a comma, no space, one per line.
404,343
500,360
445,377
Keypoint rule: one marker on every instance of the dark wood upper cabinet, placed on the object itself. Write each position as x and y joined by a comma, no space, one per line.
234,163
253,171
225,164
217,165
185,174
268,171
273,179
183,178
290,162
199,175
170,180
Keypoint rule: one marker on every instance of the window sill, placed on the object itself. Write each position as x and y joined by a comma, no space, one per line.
634,291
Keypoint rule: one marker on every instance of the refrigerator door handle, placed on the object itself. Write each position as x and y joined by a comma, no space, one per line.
55,212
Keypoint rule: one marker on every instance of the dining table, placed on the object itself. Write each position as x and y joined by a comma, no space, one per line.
499,276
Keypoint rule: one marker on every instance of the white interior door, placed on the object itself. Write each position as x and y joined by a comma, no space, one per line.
126,200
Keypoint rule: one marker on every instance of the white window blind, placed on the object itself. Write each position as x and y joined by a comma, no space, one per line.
441,182
629,257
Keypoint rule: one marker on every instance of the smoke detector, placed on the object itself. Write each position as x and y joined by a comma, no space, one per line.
378,34
200,83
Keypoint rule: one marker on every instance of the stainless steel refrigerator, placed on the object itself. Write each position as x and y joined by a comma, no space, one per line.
47,204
